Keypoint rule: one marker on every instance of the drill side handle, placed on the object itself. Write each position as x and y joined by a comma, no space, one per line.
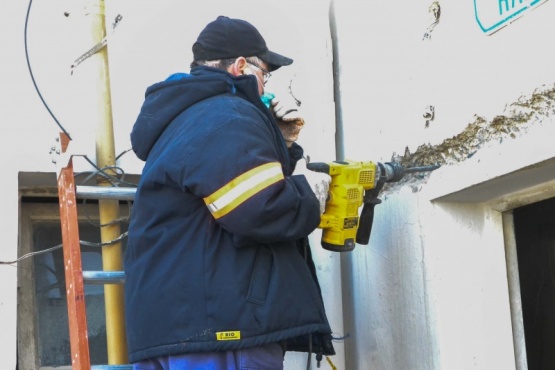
367,214
366,220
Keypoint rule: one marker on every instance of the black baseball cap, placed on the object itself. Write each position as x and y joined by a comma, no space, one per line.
230,38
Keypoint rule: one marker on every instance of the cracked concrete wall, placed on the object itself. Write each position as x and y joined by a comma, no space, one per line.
391,74
514,121
430,289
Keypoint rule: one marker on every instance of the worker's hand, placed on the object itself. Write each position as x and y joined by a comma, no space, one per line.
319,183
288,118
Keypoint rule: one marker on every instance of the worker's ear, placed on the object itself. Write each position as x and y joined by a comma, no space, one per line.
239,67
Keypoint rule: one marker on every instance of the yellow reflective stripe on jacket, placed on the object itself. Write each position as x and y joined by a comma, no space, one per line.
243,187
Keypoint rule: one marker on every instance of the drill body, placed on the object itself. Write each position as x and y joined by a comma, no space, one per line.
349,180
353,184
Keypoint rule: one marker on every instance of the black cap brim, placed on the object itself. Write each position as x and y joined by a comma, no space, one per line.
275,60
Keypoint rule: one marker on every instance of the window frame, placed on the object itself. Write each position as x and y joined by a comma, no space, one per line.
28,344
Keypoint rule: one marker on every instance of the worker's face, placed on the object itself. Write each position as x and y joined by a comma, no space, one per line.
259,70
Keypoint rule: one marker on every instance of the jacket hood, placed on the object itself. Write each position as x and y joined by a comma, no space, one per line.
165,100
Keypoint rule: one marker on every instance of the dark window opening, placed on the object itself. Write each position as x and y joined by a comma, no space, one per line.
535,240
50,291
43,318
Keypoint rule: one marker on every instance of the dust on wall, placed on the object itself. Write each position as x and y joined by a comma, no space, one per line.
517,118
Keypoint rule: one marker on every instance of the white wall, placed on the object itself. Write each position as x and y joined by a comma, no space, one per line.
468,287
430,290
410,300
153,40
390,74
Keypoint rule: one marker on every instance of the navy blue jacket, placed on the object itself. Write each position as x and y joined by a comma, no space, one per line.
212,261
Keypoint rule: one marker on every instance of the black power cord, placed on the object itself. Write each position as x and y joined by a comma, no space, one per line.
32,75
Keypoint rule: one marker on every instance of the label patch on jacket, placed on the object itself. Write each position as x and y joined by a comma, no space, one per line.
228,335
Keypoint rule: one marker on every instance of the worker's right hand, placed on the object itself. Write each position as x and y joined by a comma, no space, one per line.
319,182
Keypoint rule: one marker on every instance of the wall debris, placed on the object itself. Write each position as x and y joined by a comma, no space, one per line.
516,120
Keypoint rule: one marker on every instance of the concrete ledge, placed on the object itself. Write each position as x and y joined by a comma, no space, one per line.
503,173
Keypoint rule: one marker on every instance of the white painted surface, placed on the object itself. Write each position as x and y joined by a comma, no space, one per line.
430,291
390,74
388,316
468,287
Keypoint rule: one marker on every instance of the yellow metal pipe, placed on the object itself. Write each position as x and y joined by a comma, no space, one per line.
113,293
108,209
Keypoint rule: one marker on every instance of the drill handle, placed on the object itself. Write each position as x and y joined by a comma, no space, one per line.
367,214
318,167
366,221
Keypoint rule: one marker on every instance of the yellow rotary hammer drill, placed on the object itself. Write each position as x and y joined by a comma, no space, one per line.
354,183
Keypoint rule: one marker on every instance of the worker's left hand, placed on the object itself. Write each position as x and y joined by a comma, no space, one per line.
289,120
319,182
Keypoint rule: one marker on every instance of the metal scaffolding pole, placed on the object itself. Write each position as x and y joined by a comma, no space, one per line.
108,208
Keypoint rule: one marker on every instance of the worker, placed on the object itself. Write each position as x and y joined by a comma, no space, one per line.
219,273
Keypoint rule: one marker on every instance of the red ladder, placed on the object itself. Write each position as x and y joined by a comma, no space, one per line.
75,277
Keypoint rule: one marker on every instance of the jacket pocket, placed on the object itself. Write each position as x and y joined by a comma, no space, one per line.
261,275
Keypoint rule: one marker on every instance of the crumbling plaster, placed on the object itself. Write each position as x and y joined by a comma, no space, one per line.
517,118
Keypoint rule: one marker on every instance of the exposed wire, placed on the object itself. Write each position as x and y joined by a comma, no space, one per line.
103,244
31,254
122,153
309,359
339,339
124,219
114,180
33,76
56,247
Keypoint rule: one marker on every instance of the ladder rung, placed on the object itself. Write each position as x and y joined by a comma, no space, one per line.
105,192
104,277
112,367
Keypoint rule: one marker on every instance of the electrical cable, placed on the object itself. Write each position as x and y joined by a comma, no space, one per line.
122,153
31,254
101,171
309,360
114,180
103,244
33,76
111,178
56,247
82,242
118,18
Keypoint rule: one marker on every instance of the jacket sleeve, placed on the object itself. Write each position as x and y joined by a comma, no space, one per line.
237,171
